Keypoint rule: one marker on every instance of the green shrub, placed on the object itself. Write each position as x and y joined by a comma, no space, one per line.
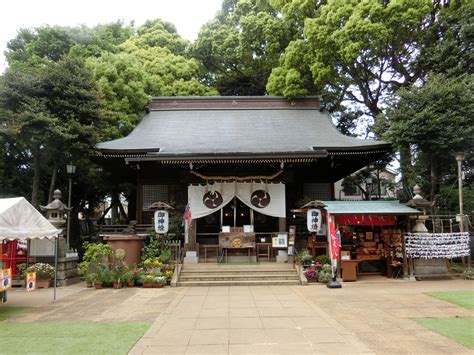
326,268
323,259
324,277
94,254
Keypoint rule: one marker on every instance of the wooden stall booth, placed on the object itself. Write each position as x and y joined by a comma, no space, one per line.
371,237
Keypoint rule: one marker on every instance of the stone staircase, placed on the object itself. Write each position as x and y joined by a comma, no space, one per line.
237,275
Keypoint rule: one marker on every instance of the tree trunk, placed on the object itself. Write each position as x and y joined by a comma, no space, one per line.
114,203
36,176
122,211
53,181
434,162
405,166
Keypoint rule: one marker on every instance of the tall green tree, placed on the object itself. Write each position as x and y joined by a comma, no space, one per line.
435,120
54,113
355,50
46,43
361,52
241,45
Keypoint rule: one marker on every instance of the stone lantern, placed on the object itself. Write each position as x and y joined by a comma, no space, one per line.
420,204
56,210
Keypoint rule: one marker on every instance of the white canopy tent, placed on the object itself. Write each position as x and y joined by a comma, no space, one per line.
20,220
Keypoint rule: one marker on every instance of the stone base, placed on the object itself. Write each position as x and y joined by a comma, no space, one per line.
191,258
70,281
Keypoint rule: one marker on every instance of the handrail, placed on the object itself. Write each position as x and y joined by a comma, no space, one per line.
221,257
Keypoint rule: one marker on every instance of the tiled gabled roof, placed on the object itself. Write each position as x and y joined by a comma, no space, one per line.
223,127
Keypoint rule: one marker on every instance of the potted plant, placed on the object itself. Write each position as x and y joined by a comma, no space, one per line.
99,278
118,275
168,274
311,275
128,278
90,279
137,276
305,257
44,274
153,280
165,256
94,261
325,274
108,278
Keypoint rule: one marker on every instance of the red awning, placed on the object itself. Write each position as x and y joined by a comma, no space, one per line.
366,220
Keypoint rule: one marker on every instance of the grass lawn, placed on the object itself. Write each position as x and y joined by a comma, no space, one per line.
462,298
70,337
460,330
7,312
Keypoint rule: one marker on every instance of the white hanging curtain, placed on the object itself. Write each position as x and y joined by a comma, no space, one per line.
267,199
207,199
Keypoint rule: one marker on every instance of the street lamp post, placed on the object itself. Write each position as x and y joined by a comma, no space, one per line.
459,159
71,170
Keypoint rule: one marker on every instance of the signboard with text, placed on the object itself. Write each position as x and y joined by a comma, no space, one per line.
313,217
161,221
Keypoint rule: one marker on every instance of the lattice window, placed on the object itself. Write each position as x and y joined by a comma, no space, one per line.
317,191
154,193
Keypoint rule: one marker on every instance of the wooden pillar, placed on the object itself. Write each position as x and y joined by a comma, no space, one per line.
192,236
405,260
282,224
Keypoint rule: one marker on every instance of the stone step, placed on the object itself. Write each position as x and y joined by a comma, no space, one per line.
238,277
237,266
237,272
237,283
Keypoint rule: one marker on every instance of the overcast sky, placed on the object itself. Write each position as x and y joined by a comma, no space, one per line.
187,15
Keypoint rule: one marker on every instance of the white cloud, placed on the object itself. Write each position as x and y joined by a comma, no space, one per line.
187,15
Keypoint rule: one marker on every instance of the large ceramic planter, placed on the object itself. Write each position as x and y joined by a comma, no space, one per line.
132,244
98,285
118,284
130,283
43,283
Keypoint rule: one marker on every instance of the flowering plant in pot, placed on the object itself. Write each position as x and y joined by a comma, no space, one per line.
325,274
168,274
311,275
153,280
43,271
44,274
153,263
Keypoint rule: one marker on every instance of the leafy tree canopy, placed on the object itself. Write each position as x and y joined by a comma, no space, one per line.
355,50
435,120
241,45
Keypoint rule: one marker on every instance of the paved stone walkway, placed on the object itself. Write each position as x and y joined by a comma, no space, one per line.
382,315
244,320
361,318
